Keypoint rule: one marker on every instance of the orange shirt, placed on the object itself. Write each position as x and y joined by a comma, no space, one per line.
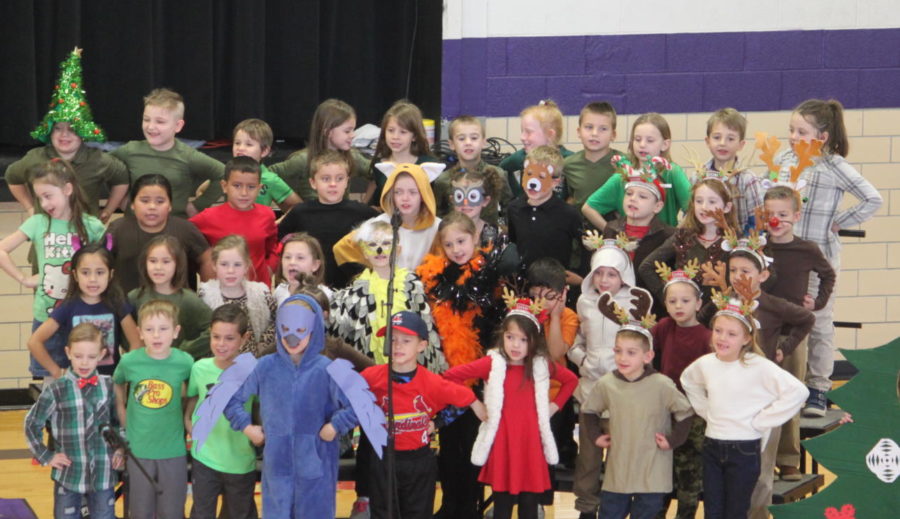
569,323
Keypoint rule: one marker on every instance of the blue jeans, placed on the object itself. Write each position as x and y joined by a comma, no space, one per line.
67,504
614,505
56,347
730,471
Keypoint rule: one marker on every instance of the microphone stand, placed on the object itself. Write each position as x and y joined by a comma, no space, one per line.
116,442
388,337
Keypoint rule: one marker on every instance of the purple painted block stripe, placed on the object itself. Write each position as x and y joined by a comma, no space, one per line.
497,77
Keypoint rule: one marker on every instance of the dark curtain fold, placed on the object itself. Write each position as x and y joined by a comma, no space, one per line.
273,59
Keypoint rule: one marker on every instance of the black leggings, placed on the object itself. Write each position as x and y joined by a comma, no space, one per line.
528,504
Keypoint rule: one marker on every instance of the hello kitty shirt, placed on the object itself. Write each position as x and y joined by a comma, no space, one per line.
52,241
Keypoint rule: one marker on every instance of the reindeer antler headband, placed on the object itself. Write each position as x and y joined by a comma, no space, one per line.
639,320
752,244
724,175
593,241
532,309
806,151
740,307
685,274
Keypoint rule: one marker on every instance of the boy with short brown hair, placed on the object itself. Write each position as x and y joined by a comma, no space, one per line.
253,138
541,224
467,140
648,417
587,170
725,132
330,178
795,259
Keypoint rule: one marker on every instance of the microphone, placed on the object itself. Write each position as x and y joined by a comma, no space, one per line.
396,220
113,439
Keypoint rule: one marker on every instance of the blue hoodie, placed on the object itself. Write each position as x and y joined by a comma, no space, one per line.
299,476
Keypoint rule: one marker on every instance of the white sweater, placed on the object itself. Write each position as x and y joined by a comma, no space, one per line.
742,400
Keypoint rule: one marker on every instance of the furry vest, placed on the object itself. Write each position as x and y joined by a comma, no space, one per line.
257,308
493,400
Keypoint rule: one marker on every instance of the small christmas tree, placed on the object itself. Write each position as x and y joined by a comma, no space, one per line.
863,455
68,104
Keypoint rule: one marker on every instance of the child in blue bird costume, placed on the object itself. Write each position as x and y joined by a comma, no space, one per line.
304,412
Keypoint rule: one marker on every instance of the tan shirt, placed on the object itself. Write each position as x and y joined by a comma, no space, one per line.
637,411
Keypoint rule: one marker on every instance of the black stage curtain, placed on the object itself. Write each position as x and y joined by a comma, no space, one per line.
273,59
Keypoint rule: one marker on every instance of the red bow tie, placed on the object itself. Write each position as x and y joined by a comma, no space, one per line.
87,381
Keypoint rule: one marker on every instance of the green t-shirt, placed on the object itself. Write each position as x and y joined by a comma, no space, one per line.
583,177
678,197
52,241
193,316
97,172
155,419
295,171
272,188
184,167
225,449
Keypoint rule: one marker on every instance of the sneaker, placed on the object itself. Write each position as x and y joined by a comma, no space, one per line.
789,473
587,515
360,510
540,512
815,404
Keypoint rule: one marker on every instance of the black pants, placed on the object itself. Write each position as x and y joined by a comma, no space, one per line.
362,472
459,478
528,505
236,491
416,473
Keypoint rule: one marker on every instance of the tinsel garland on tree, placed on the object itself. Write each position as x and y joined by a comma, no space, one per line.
68,104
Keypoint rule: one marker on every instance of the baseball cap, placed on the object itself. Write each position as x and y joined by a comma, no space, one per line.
407,322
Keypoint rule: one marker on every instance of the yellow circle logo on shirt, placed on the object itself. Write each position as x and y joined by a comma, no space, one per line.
153,393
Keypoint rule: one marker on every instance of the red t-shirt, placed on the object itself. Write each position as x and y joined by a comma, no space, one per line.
416,402
257,226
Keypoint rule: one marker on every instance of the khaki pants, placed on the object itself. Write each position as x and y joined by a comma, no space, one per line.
789,445
762,492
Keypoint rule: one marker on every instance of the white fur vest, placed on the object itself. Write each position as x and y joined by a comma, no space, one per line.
257,307
493,400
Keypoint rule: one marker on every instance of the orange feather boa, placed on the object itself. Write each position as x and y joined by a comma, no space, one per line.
459,338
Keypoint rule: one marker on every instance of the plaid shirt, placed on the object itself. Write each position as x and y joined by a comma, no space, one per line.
75,416
826,182
748,193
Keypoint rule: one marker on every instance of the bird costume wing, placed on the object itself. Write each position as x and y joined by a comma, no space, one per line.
209,411
356,389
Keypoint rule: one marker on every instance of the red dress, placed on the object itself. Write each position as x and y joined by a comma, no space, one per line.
516,463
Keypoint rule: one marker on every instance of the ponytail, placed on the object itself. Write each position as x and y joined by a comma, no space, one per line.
827,116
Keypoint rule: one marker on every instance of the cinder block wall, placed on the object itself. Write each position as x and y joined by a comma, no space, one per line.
869,283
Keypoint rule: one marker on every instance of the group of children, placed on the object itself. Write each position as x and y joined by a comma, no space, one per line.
740,269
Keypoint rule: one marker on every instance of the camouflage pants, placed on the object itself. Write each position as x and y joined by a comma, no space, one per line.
687,472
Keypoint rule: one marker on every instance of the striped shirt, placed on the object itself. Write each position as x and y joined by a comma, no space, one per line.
748,193
826,182
75,417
